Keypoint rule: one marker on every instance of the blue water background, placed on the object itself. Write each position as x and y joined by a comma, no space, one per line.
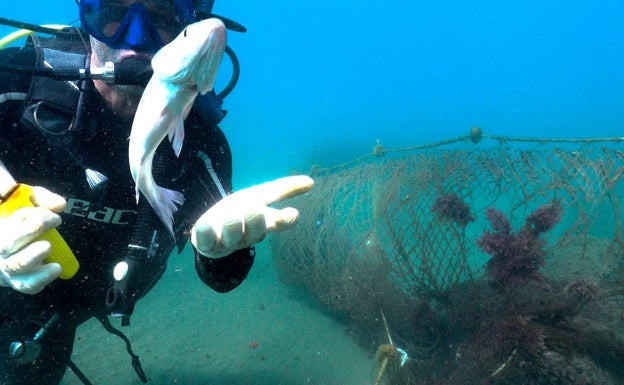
323,81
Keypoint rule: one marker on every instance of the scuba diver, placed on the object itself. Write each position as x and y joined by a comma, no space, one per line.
67,104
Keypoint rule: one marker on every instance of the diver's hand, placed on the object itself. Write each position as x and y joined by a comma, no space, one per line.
21,257
244,218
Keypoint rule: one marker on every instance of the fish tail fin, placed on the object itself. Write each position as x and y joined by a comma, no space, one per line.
165,204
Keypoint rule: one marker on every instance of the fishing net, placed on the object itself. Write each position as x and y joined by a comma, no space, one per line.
399,229
381,210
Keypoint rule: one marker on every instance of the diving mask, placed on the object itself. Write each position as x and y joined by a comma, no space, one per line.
145,25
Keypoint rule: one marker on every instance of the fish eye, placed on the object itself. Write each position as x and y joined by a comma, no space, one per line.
185,31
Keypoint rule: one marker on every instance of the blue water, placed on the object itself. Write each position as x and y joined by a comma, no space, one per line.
323,81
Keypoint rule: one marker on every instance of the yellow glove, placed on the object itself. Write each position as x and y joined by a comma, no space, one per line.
244,218
22,265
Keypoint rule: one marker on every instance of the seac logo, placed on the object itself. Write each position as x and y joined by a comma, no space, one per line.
82,208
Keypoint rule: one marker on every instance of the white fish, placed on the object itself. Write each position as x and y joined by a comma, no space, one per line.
183,68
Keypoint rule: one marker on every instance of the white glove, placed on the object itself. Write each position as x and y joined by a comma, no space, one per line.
244,218
21,258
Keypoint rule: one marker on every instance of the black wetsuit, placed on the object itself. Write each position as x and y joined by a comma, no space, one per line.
98,225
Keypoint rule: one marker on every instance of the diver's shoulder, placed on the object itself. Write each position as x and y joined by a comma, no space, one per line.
13,74
18,56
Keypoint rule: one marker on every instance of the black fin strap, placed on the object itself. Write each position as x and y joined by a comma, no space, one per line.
79,373
136,364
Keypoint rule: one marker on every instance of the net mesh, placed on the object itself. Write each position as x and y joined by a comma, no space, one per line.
379,212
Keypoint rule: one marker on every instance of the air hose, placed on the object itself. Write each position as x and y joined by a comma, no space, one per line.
146,257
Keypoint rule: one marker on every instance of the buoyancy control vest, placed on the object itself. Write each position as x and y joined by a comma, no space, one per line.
54,108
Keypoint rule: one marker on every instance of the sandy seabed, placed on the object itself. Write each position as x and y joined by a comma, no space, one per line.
260,333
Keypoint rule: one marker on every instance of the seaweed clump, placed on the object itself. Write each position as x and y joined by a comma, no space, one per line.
514,326
517,256
451,208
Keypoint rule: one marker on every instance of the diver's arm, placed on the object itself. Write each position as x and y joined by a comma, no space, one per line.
231,223
22,255
223,233
208,152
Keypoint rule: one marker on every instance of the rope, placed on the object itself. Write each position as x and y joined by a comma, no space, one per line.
475,136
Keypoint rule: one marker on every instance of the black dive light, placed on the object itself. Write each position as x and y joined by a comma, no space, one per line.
128,72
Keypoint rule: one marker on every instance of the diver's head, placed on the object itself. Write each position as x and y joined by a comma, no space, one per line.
123,30
138,25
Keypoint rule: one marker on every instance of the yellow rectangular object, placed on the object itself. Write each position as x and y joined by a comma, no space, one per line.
19,196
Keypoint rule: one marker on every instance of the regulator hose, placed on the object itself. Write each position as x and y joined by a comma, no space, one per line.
146,257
